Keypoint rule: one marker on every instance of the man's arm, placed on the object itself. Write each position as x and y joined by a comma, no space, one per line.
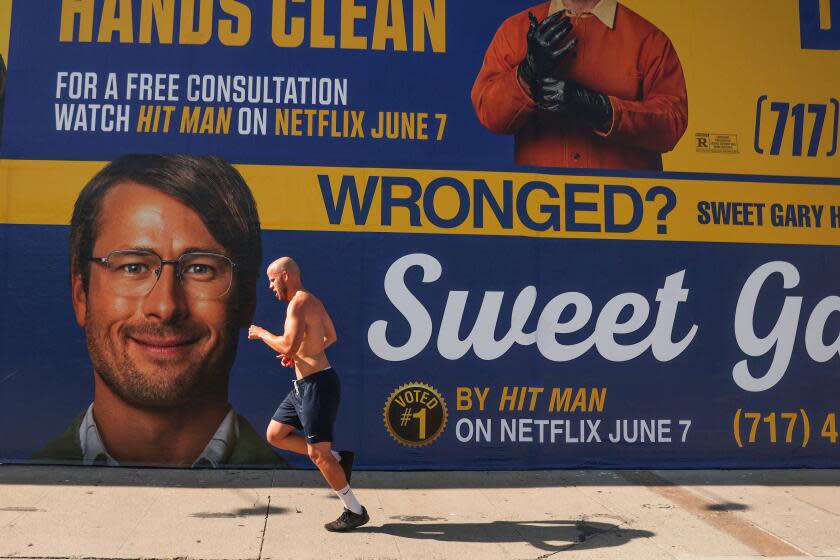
498,96
658,120
330,336
274,341
289,342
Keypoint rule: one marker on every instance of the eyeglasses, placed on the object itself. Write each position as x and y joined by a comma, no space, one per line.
135,273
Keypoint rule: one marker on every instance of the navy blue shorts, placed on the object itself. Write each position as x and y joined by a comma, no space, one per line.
312,405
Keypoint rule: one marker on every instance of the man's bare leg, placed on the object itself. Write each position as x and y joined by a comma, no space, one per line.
321,455
283,436
355,514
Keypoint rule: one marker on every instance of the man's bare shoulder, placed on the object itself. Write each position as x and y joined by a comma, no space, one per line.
304,301
298,303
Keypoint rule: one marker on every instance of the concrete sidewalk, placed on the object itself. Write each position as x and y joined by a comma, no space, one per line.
63,512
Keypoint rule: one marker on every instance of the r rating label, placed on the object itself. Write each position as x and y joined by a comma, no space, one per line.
716,143
415,414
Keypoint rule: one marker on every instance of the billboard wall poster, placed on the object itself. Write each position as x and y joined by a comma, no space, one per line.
522,236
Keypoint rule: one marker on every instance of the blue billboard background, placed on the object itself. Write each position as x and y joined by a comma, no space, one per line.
46,384
46,378
427,82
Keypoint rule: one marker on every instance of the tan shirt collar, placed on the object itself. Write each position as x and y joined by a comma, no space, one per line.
603,10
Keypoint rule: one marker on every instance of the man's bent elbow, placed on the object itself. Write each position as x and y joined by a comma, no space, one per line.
497,124
491,117
673,136
673,122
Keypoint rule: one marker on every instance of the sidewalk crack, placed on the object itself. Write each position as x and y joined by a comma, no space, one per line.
265,524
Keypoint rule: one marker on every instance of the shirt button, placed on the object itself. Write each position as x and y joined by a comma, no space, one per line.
575,156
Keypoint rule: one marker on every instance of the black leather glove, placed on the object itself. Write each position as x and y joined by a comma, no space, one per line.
567,98
543,51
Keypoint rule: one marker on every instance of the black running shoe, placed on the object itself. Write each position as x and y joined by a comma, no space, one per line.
346,462
348,521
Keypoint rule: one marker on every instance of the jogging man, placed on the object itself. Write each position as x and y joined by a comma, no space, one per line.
312,405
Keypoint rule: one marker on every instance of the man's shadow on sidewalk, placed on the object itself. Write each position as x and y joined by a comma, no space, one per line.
553,535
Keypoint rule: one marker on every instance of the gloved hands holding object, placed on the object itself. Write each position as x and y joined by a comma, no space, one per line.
544,49
554,95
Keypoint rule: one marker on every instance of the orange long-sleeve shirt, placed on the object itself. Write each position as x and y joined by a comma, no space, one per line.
634,64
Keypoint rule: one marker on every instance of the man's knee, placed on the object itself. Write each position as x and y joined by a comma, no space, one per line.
276,431
318,454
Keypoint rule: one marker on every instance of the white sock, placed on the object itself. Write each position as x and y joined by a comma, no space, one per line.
349,500
336,455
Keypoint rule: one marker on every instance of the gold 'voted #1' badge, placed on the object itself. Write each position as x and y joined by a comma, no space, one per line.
415,414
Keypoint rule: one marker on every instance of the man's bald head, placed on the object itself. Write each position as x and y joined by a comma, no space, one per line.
284,285
285,263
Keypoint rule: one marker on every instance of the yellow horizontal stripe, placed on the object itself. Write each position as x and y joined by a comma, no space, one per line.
5,28
290,198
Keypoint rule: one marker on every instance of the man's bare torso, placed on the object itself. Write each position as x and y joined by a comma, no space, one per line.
318,333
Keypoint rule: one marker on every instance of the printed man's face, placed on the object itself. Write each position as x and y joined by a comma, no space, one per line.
166,348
